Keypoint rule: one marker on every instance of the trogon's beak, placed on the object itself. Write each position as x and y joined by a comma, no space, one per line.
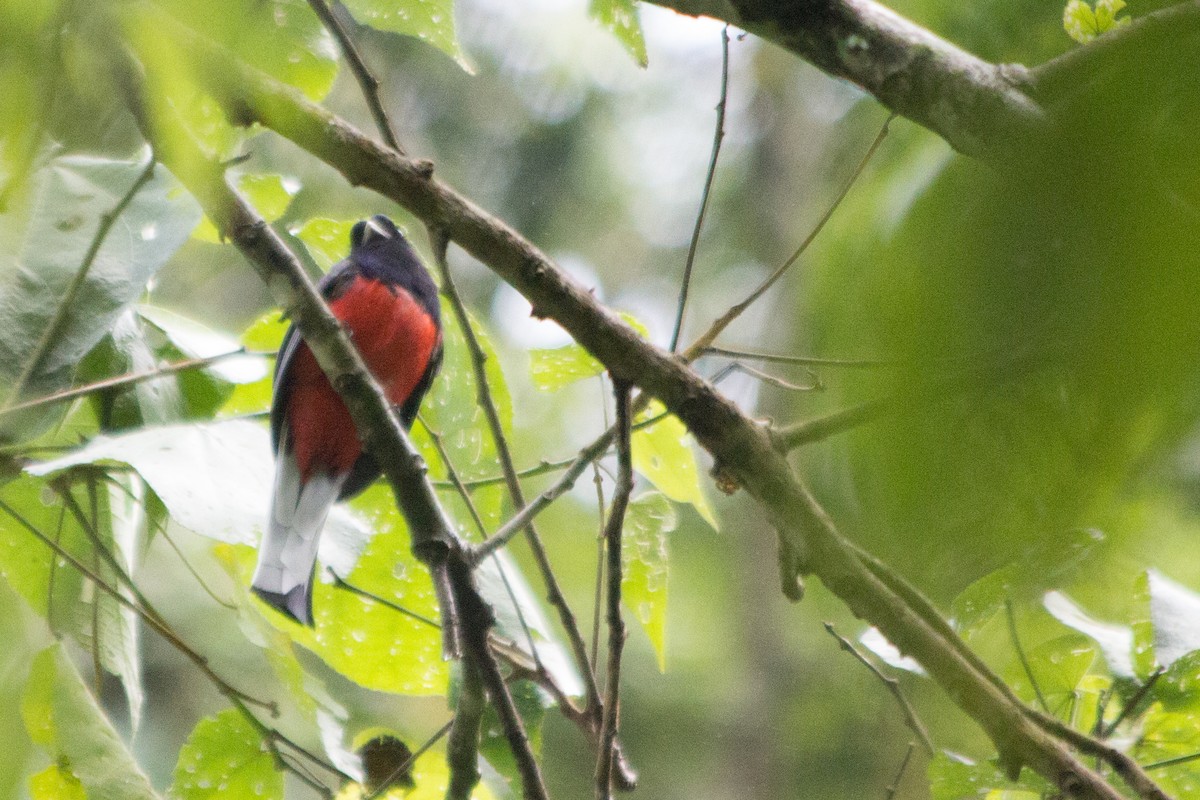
373,230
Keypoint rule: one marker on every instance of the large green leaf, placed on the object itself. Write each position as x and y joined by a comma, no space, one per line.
226,759
63,717
369,643
649,519
431,21
73,193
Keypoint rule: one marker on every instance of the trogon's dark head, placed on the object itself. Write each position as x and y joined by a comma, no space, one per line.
381,253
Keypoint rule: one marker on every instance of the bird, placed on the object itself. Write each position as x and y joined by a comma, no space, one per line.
388,304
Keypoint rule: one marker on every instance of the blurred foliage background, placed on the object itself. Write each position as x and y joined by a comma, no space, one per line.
1039,336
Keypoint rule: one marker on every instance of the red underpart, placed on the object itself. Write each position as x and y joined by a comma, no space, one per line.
396,338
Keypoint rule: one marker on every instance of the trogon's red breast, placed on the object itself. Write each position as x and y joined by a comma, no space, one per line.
389,305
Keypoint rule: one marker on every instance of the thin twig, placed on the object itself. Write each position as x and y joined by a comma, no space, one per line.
895,785
485,400
452,473
819,428
1171,762
408,763
343,584
362,73
121,381
1016,640
718,137
613,531
61,313
708,337
1130,771
800,361
1137,697
758,374
478,483
910,715
564,483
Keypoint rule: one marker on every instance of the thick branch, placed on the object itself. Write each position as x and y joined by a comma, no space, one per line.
976,106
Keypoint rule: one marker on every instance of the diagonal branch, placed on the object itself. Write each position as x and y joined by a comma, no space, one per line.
976,106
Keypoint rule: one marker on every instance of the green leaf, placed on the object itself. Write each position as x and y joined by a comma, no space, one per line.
1179,687
662,454
54,784
63,717
620,17
27,564
1041,569
953,777
1058,666
554,368
371,644
269,194
127,350
1083,23
73,192
1166,735
225,759
431,21
265,334
1115,641
1079,21
327,240
648,520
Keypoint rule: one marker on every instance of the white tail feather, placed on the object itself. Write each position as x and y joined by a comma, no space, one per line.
288,551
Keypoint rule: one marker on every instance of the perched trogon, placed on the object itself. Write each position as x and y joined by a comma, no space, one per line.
388,304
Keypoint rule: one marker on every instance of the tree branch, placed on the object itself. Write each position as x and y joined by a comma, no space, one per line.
613,534
976,106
